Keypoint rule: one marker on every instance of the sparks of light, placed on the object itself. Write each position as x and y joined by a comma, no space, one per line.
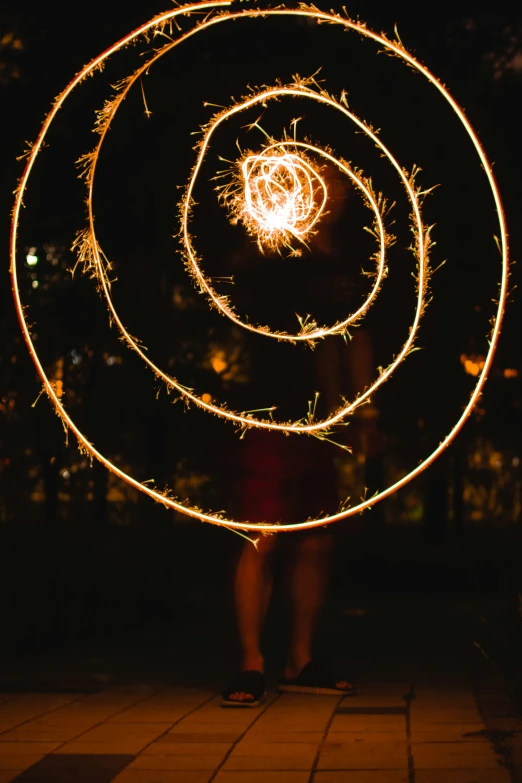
280,197
93,259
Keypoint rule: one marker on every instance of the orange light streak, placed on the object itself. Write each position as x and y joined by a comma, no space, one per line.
218,12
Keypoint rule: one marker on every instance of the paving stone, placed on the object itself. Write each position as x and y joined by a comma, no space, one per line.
267,763
19,760
168,706
271,756
185,692
375,700
294,719
457,702
296,715
355,756
304,701
293,716
162,776
419,717
456,732
462,776
6,725
170,716
118,731
372,707
183,727
363,723
172,738
293,703
222,718
85,712
8,775
366,737
386,689
52,735
267,721
74,715
300,710
80,769
37,748
200,761
362,776
444,691
41,701
294,725
457,707
279,749
118,747
62,731
28,706
445,696
256,734
186,748
454,755
263,776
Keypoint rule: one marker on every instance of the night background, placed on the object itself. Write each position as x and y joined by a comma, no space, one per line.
83,555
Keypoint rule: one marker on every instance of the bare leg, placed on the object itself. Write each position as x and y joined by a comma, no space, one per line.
309,581
252,591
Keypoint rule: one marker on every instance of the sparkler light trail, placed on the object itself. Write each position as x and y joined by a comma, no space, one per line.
279,194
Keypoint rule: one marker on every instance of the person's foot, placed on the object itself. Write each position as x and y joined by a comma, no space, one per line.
295,665
315,678
247,689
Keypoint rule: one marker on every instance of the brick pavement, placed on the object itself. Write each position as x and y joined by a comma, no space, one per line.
155,734
143,708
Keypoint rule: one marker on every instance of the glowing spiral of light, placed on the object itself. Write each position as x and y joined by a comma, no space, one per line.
279,196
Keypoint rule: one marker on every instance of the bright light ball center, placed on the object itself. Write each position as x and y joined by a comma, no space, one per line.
283,197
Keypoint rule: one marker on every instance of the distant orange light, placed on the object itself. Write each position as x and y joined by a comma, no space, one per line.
219,364
473,365
510,373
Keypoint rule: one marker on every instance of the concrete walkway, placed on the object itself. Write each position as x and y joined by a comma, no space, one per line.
412,721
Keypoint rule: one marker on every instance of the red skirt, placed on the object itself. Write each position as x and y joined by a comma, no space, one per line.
286,479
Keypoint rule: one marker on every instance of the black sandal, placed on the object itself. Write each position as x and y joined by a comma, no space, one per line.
318,679
250,682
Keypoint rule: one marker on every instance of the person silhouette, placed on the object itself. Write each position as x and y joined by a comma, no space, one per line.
292,478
